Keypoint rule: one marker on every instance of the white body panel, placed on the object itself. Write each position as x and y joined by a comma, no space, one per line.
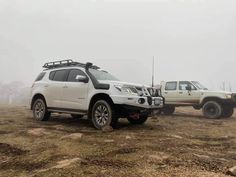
75,95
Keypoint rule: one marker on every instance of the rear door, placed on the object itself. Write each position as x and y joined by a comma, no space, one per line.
54,88
170,92
75,93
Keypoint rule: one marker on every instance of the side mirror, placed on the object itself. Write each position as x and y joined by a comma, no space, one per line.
189,88
80,78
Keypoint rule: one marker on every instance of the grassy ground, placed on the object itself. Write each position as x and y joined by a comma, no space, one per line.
185,144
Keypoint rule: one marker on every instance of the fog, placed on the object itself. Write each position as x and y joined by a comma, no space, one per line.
190,39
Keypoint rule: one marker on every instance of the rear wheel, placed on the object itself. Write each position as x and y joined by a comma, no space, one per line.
102,114
168,110
137,121
212,110
228,111
40,111
76,116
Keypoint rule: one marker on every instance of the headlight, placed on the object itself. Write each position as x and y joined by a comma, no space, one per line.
228,96
126,89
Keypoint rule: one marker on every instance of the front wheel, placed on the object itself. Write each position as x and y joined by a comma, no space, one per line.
102,114
168,110
212,110
40,111
138,121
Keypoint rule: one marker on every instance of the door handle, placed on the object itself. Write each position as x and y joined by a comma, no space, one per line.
180,92
46,86
65,86
166,92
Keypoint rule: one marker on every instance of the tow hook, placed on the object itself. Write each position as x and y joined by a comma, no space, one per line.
134,115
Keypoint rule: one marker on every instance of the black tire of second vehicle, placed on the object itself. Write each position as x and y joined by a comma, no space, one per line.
228,111
109,110
45,113
212,110
142,119
168,110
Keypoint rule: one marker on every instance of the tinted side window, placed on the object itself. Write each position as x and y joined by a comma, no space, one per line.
73,73
60,75
171,86
51,75
40,76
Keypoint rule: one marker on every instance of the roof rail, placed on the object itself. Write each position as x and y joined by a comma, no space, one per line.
64,63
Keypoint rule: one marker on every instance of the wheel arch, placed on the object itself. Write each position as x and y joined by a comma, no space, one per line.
206,99
35,97
96,97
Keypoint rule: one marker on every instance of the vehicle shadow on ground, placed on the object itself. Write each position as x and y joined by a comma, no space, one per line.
182,115
85,124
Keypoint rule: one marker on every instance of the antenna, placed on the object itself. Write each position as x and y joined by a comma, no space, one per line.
230,88
224,85
153,71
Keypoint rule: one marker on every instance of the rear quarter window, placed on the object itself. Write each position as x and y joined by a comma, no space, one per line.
40,76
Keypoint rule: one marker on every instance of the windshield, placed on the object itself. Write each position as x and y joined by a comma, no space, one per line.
102,75
199,85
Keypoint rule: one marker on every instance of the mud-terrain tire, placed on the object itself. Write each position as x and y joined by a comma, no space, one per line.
102,114
142,119
212,110
77,116
168,110
228,111
40,111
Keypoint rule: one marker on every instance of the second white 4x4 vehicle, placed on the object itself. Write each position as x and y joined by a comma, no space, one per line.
214,104
83,89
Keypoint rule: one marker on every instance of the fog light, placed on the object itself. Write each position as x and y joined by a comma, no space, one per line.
141,100
157,101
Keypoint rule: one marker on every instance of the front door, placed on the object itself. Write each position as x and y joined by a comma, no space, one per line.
75,93
186,96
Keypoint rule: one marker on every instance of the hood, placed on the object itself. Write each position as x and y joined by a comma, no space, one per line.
215,92
121,83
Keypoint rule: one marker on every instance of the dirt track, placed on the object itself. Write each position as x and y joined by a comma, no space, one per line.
185,144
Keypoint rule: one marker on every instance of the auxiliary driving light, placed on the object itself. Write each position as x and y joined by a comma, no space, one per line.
141,100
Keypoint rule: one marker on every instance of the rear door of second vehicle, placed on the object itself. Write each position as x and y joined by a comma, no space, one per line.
75,93
170,92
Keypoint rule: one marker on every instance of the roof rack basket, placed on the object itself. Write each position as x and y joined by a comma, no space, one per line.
64,63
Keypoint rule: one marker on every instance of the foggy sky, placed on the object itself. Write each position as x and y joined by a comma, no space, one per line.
190,39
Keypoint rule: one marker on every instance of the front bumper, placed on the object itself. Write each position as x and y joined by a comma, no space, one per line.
231,101
234,99
139,102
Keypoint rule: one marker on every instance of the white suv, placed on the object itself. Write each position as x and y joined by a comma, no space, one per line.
83,89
